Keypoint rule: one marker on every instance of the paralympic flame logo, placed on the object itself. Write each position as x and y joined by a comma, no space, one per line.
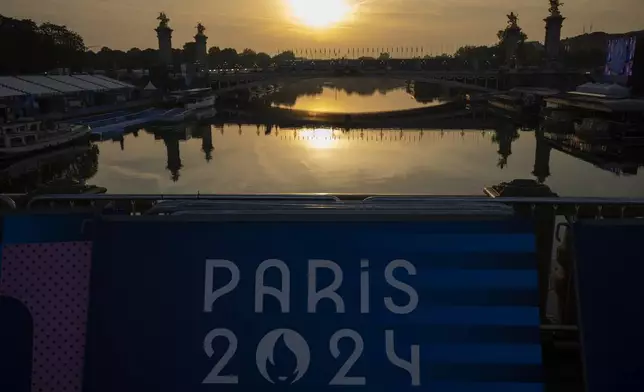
283,356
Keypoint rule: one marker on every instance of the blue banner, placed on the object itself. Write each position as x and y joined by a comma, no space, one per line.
611,299
198,306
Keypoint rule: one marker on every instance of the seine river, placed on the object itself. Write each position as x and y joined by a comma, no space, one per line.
458,156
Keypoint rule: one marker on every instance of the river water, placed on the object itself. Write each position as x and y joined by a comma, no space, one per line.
233,159
459,156
357,95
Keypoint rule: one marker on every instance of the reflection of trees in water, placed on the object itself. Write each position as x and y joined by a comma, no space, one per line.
368,135
78,164
504,136
425,92
85,166
288,95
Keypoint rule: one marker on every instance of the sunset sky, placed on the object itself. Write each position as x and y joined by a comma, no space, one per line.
269,25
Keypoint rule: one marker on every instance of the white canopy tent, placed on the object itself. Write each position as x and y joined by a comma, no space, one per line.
26,87
51,83
6,92
84,85
98,81
126,85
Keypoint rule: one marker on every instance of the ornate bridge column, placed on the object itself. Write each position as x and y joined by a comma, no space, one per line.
554,23
202,54
164,34
511,39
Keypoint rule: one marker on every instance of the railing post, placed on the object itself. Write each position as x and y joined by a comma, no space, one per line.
544,232
565,286
543,217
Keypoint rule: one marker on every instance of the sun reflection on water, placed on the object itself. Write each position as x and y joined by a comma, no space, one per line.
319,138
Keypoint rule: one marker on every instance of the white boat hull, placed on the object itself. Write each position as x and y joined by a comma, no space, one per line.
205,114
204,103
75,133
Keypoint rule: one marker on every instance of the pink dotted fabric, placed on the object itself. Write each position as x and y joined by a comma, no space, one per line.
52,280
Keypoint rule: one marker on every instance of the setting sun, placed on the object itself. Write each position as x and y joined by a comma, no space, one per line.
320,13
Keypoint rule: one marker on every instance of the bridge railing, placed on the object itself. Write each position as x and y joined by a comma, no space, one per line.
570,207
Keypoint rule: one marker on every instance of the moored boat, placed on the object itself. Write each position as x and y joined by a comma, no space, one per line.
191,99
205,114
519,188
200,102
599,128
20,138
524,100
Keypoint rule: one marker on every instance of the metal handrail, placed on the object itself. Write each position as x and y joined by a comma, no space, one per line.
160,197
359,197
513,200
154,203
351,196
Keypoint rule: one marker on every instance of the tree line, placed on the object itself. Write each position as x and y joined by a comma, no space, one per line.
28,47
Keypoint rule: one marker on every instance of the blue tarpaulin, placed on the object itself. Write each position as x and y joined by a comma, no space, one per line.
610,267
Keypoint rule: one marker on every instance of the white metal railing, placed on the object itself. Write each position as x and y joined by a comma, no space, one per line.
568,206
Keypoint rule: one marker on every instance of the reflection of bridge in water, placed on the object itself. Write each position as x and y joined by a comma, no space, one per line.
451,115
504,135
321,137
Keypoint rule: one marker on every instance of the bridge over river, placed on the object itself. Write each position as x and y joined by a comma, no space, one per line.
484,81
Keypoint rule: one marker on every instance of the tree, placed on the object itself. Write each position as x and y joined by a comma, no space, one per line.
108,59
228,57
214,51
384,56
64,47
477,53
284,57
48,46
189,52
213,57
247,58
263,60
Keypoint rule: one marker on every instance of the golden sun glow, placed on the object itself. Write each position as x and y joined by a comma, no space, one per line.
320,13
